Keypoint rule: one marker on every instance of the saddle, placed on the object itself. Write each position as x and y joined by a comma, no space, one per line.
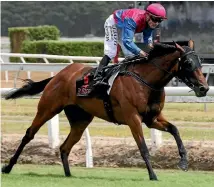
85,85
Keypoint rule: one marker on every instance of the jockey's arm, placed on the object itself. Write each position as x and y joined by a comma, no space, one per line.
147,37
128,36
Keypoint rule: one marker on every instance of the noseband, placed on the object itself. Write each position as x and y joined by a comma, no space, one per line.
182,75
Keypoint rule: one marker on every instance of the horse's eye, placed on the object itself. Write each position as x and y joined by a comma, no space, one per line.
189,63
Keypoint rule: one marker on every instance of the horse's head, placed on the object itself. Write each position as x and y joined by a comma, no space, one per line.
168,61
189,71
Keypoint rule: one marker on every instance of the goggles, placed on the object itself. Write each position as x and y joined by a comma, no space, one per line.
155,19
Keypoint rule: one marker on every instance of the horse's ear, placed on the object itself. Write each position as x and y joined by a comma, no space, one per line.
174,44
178,47
191,44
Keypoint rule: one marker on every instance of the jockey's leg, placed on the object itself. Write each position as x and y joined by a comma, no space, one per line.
110,46
98,74
115,60
104,62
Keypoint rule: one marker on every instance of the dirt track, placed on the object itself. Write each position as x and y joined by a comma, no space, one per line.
110,152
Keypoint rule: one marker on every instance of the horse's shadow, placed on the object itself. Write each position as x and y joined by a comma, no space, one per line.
32,174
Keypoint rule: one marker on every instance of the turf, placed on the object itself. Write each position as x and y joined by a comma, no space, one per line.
53,176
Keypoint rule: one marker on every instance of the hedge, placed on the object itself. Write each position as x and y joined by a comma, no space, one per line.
19,34
65,48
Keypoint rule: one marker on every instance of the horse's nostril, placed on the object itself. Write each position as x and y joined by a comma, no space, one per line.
202,89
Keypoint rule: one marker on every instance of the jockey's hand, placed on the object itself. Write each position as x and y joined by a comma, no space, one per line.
143,54
150,45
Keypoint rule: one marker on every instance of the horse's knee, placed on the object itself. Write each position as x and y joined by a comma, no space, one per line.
66,146
28,136
63,149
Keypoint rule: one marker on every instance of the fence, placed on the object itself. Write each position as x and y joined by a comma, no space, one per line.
53,124
206,69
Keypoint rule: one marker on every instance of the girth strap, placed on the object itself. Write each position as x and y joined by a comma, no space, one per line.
108,108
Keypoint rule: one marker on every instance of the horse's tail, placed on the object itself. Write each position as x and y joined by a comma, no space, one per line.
30,88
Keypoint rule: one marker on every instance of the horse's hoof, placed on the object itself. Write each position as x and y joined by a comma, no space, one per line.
6,169
68,174
183,165
153,178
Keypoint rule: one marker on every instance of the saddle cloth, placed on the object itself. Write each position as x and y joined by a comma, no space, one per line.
84,86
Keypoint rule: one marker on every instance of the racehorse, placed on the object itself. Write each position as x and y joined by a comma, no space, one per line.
137,95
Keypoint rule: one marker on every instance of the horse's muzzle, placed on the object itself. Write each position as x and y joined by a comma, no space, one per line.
201,91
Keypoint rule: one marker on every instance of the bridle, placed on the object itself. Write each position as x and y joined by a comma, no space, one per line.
181,74
178,74
181,62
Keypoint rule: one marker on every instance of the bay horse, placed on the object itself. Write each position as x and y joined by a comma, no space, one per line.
137,95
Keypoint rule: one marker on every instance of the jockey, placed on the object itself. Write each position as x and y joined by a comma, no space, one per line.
121,26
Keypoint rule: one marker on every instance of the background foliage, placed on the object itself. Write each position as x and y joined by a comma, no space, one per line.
19,34
186,20
72,18
61,48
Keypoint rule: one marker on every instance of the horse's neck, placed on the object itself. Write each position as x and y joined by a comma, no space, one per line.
155,76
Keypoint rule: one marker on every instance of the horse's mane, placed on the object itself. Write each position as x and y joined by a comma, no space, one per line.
161,50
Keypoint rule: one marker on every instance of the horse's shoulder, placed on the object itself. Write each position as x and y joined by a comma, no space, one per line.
157,97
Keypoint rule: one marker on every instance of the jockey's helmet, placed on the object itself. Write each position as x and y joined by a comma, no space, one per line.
157,10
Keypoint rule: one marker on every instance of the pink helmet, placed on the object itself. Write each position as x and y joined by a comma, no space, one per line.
157,10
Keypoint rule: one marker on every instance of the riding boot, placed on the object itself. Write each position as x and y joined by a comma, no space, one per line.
98,74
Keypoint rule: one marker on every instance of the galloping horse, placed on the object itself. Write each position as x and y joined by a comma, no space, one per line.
137,95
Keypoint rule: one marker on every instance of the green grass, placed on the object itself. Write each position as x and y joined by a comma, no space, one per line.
188,106
173,111
53,176
112,131
25,109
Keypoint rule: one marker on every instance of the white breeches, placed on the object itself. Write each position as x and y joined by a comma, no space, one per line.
113,37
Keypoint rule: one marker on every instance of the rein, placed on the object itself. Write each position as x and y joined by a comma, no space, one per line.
171,73
136,59
165,71
132,61
174,74
141,80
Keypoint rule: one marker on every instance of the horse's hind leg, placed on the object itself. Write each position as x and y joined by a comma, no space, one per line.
45,112
162,124
79,120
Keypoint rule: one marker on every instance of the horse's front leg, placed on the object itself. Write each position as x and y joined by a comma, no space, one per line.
134,122
162,124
